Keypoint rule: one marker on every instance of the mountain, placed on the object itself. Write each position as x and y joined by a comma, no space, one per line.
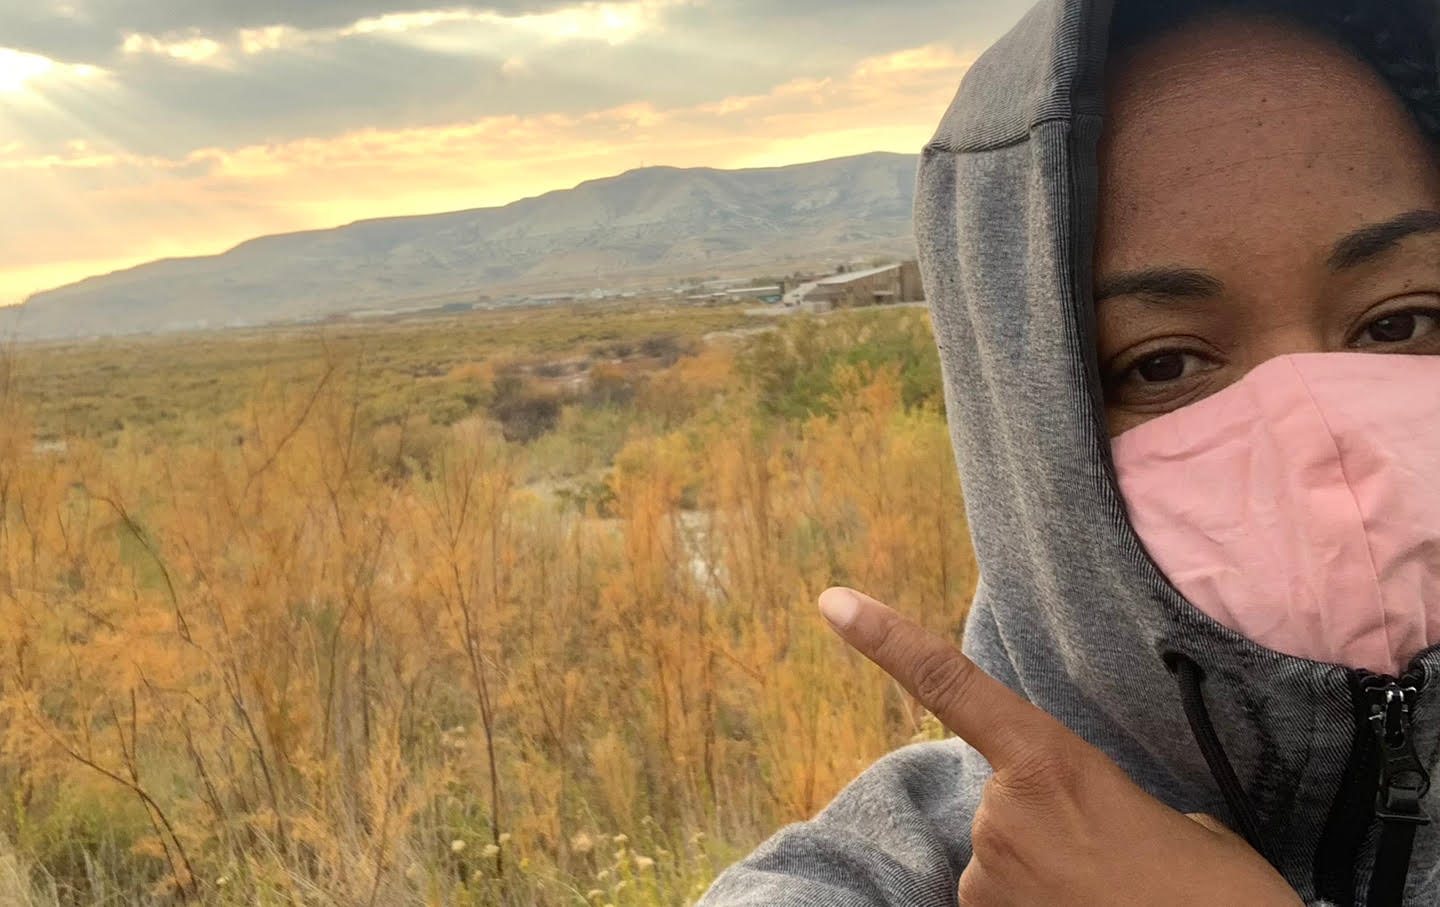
640,227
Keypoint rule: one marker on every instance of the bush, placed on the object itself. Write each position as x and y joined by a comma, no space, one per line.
611,385
793,370
527,416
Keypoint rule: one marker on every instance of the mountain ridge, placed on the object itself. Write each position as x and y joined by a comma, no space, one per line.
645,224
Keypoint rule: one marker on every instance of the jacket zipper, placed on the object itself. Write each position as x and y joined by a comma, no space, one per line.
1402,784
1385,780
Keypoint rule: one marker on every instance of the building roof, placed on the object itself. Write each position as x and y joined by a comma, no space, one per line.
853,276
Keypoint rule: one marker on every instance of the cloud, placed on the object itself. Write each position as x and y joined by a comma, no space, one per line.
452,30
90,31
916,59
399,69
214,197
174,93
179,90
189,50
611,22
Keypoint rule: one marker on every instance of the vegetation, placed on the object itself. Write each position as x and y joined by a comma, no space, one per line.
506,610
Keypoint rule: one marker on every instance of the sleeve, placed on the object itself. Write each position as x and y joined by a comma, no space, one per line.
899,834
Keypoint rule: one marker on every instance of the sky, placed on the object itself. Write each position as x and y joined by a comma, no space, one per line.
132,130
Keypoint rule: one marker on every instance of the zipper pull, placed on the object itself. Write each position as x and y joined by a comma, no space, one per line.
1403,779
1403,782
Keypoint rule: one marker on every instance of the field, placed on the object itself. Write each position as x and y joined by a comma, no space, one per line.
515,608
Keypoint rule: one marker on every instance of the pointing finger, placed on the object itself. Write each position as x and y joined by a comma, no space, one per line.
988,715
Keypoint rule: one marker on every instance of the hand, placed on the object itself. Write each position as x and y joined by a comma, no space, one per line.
1058,823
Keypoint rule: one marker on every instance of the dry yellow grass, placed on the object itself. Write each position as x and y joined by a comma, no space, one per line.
299,655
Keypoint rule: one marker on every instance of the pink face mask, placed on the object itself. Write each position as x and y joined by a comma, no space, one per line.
1300,507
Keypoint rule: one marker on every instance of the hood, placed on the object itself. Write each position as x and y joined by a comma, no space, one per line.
1070,611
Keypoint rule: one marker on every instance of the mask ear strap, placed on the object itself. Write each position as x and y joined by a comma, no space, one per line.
1190,678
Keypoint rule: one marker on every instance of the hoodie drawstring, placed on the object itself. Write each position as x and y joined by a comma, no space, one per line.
1190,678
1403,780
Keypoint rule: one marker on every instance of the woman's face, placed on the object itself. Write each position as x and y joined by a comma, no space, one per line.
1262,193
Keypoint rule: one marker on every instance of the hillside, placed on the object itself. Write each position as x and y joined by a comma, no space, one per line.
651,224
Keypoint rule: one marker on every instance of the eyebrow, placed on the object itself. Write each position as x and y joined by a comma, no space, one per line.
1168,283
1374,240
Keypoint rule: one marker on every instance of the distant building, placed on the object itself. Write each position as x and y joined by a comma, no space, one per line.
722,283
764,294
770,294
874,286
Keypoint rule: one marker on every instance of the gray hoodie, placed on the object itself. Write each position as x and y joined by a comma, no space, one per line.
1070,611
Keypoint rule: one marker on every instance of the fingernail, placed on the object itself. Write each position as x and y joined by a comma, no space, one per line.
840,606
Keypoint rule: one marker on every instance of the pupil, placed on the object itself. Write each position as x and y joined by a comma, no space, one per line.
1394,329
1163,368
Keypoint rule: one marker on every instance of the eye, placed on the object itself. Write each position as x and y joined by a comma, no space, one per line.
1399,327
1170,365
1162,377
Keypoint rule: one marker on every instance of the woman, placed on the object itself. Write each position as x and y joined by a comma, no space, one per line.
1187,300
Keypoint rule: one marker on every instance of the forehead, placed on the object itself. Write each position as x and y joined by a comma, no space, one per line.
1236,135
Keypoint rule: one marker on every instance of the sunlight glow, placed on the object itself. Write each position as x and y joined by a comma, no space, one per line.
610,22
21,72
17,68
403,22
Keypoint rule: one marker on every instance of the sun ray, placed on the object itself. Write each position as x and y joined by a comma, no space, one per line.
17,68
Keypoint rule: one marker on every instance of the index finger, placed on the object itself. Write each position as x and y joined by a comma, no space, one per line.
985,713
